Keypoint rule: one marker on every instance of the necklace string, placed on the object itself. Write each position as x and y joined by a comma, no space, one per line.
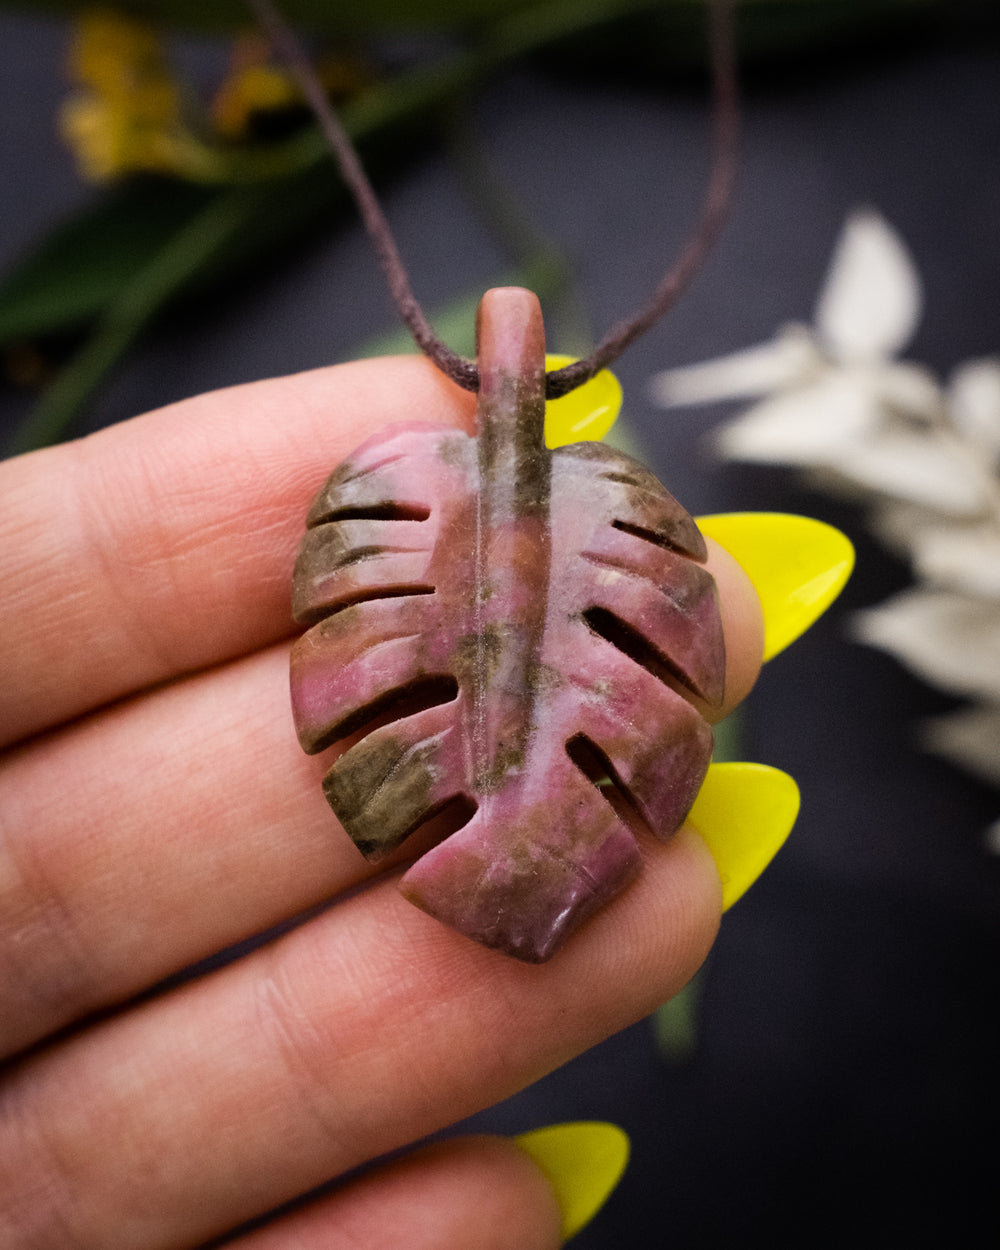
712,214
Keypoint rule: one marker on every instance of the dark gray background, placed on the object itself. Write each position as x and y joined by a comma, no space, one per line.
844,1088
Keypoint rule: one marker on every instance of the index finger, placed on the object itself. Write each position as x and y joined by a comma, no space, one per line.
165,544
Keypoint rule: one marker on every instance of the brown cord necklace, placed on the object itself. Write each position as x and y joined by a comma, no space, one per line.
511,642
670,287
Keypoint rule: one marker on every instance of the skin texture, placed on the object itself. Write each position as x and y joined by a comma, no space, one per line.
477,1191
155,809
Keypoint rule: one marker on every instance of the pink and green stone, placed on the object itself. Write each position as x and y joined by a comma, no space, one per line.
519,631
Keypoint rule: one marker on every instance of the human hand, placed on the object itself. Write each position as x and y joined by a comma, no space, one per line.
155,810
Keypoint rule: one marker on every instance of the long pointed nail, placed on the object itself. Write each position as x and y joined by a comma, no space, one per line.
583,1163
585,413
797,565
744,812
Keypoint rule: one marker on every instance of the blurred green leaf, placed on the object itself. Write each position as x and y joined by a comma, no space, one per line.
454,323
675,1024
132,252
127,316
82,268
84,265
729,737
327,15
670,35
122,261
784,21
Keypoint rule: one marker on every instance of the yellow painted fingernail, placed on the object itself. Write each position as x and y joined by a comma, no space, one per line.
744,812
586,413
583,1162
797,565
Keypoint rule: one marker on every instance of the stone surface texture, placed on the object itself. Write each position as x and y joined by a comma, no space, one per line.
512,634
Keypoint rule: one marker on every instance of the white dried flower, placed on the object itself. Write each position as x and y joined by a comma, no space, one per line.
833,399
951,640
971,738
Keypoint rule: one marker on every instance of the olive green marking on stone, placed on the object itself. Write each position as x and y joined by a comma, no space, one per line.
481,651
384,787
515,487
509,757
455,450
545,678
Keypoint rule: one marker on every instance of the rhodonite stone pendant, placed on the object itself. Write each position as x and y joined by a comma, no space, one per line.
511,633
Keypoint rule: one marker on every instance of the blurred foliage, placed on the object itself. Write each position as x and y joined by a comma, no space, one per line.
206,206
328,16
675,1024
780,17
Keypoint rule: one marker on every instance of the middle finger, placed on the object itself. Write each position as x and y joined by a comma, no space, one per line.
363,1030
111,881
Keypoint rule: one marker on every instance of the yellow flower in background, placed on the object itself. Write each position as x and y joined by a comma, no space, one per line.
251,86
254,86
127,115
248,90
130,114
113,53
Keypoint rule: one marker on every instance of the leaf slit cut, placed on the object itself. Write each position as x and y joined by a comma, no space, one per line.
638,648
619,563
637,485
396,704
626,479
356,555
600,772
370,469
648,536
361,596
433,827
388,511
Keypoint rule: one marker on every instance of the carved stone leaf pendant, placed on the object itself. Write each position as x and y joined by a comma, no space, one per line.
512,634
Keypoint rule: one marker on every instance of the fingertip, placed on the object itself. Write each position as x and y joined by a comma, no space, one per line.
485,1192
742,624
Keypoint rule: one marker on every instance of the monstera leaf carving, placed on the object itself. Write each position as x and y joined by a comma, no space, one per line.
519,632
